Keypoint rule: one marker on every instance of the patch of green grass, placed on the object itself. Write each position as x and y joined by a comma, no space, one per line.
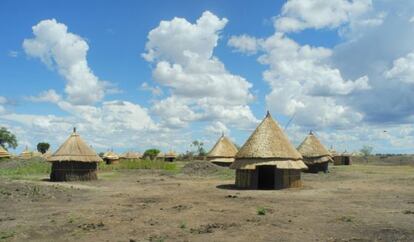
139,164
6,234
347,219
183,225
35,167
225,174
261,211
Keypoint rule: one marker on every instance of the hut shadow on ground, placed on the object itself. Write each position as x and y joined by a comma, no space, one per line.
234,188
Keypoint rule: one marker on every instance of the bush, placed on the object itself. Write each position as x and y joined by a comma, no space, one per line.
151,153
261,211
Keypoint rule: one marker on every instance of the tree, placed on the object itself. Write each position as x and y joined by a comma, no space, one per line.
366,151
42,147
151,153
7,139
199,147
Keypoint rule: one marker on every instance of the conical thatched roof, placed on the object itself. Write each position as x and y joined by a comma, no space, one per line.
223,148
110,155
170,154
131,155
268,145
313,151
4,153
312,147
47,154
75,149
26,154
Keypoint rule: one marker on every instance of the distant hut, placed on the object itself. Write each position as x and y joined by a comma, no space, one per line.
110,158
170,156
130,156
268,160
4,154
160,156
36,154
26,154
315,155
343,159
223,152
74,161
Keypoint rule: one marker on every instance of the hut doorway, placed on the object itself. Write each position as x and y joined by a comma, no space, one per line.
266,177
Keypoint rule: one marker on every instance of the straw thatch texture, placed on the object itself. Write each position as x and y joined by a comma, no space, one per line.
314,154
268,145
26,154
47,154
223,148
170,156
4,153
75,149
268,141
131,155
342,159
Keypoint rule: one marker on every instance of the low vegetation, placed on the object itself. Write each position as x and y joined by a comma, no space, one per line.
139,164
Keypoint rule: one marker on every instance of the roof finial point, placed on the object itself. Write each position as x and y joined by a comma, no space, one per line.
74,130
267,113
222,133
311,132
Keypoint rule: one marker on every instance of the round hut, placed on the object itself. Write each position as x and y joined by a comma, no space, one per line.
268,160
26,154
130,155
223,152
170,156
342,159
110,158
315,155
4,154
74,161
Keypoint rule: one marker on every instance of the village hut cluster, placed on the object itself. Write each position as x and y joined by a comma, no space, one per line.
267,160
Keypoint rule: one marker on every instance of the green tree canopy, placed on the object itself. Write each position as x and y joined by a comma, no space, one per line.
42,147
151,153
7,139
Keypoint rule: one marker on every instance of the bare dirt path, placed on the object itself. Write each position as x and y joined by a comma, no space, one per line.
357,203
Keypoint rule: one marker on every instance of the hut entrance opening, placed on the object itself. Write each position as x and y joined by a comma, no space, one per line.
266,177
346,161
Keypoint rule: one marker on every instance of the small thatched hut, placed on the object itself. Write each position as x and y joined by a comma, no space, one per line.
223,152
268,160
170,156
315,155
342,159
26,154
110,158
74,160
4,154
131,155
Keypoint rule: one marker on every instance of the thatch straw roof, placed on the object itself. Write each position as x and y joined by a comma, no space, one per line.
170,154
75,149
224,148
268,145
47,154
312,147
4,153
160,155
110,155
26,154
130,155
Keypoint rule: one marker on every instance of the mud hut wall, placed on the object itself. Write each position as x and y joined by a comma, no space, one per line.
246,178
73,171
287,178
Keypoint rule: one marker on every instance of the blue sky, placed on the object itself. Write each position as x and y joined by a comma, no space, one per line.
340,67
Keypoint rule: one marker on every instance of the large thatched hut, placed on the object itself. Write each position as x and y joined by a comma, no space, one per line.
315,155
74,160
110,157
223,152
268,160
26,154
170,156
342,159
4,154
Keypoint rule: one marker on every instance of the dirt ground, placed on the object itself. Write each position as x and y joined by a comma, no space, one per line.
351,203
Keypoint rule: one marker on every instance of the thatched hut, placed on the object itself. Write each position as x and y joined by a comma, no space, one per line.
268,160
26,154
223,152
315,155
342,159
74,161
4,154
170,156
110,157
131,155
